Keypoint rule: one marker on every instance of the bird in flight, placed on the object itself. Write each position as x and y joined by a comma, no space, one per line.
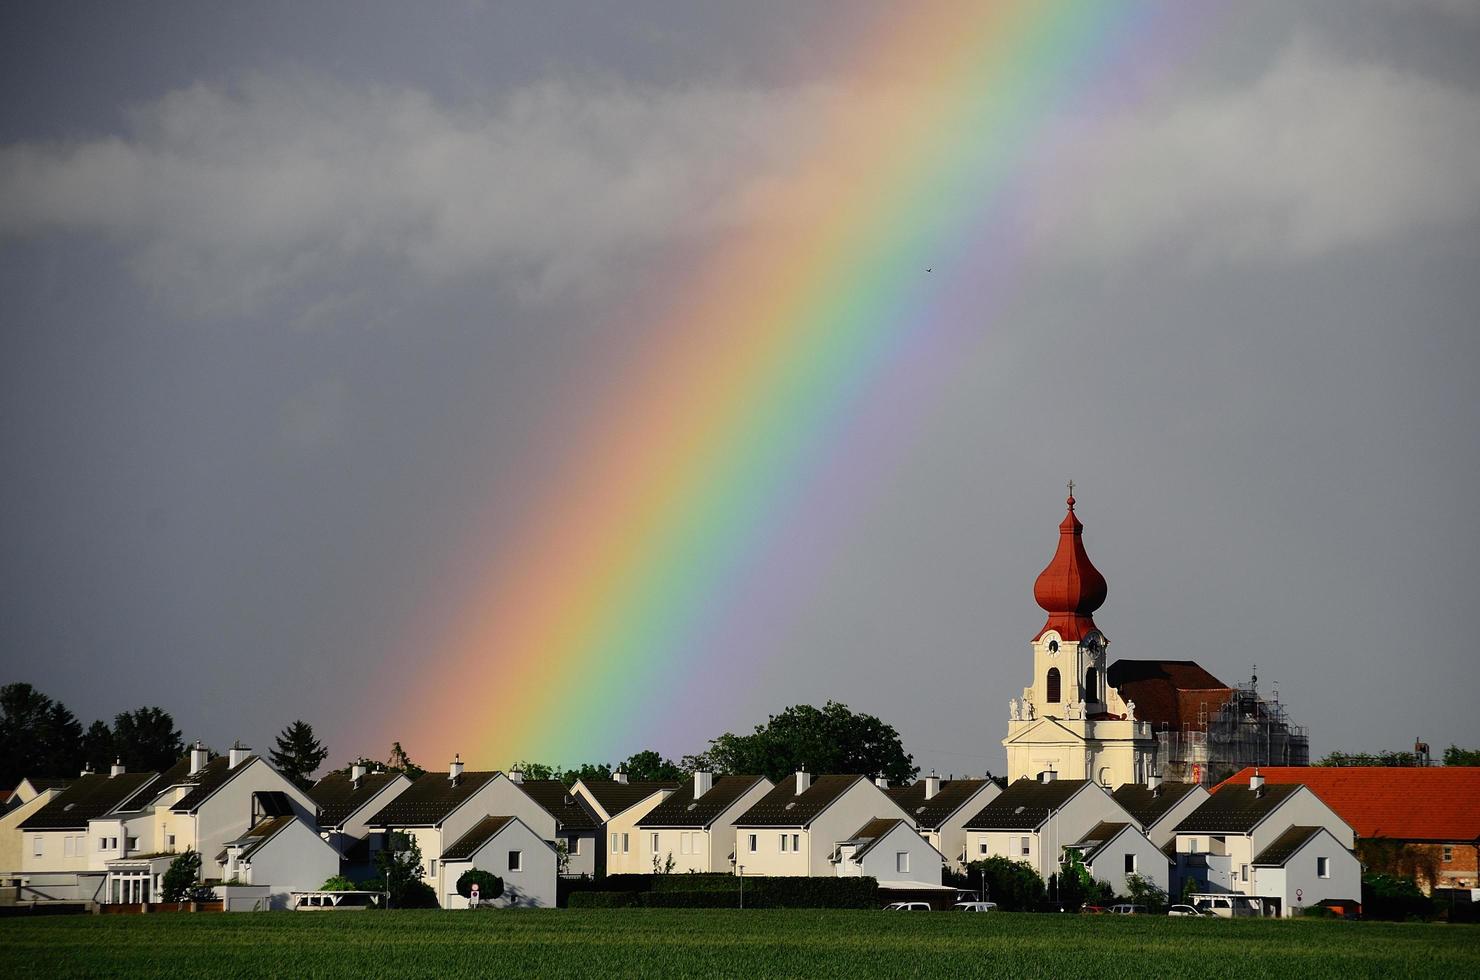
929,270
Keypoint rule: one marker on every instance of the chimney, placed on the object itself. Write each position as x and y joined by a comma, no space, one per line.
1153,783
932,786
198,757
357,773
703,782
455,768
881,782
87,769
117,769
620,776
238,754
516,775
804,780
1256,782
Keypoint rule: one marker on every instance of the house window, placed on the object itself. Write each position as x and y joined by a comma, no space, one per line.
902,862
38,845
573,845
516,860
751,842
1023,846
655,843
982,848
1192,845
625,844
615,841
102,843
1323,867
1448,853
170,840
1053,685
784,841
1243,872
133,843
796,842
1130,864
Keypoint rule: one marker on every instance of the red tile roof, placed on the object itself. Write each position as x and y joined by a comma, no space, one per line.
1437,803
1169,693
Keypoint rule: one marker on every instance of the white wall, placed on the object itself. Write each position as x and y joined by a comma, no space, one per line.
1151,863
1160,832
10,838
227,814
1299,874
881,861
295,859
1302,809
533,886
951,838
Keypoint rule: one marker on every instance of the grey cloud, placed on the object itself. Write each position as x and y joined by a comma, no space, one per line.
1317,154
226,199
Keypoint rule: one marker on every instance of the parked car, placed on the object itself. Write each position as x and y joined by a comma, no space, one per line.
1125,909
1186,910
1226,906
974,906
908,907
1092,910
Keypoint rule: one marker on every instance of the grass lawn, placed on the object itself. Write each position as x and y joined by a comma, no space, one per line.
610,943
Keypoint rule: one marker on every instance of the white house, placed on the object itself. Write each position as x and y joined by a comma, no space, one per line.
619,803
890,850
27,798
1035,820
1242,839
576,825
439,808
56,838
1113,852
695,824
507,847
940,809
346,802
795,829
284,853
1158,807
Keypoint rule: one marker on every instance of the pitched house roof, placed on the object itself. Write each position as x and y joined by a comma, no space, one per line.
467,845
1168,693
1025,804
558,801
147,795
1235,809
260,833
680,809
872,833
430,799
783,806
338,798
1285,845
205,782
43,783
932,813
1437,803
1101,834
615,797
88,797
1150,805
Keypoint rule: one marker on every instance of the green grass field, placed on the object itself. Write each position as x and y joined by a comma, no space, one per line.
723,943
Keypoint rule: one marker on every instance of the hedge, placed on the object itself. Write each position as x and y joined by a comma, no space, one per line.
603,900
723,891
695,883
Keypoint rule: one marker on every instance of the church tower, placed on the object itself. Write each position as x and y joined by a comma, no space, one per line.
1070,722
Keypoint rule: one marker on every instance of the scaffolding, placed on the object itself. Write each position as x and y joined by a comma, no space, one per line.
1244,730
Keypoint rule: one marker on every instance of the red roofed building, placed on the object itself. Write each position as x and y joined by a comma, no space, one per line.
1434,810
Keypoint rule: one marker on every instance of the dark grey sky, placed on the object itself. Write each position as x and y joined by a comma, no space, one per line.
290,292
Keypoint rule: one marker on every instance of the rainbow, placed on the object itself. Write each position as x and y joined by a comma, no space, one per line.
569,641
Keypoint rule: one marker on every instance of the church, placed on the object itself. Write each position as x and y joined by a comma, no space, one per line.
1170,718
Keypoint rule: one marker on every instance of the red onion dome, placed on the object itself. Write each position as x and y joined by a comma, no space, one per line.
1070,589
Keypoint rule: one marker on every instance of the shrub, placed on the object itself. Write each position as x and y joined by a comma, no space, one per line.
181,877
1143,892
490,886
1013,885
338,883
418,895
603,900
696,883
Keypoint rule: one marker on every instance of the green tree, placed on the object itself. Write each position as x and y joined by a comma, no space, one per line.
181,877
38,736
401,870
587,771
1144,892
649,765
1395,859
401,762
536,770
1456,756
1075,885
490,886
297,753
97,747
146,740
1404,759
1014,885
830,739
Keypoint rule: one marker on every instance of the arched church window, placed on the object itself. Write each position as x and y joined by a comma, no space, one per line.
1053,685
1091,685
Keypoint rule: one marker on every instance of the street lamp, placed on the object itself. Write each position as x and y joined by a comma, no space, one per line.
742,885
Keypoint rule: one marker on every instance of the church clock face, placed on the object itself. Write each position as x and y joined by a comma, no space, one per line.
1092,643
